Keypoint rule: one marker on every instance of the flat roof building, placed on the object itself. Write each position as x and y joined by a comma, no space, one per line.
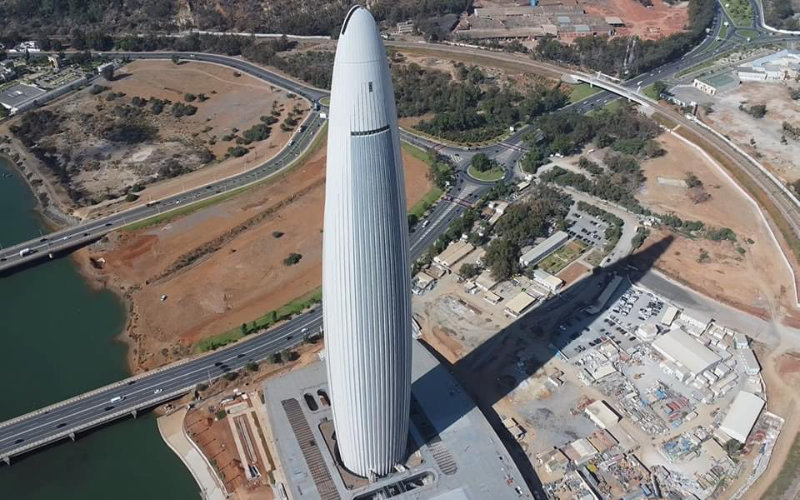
454,252
547,280
669,315
486,281
601,414
749,361
682,349
742,416
517,306
740,341
543,249
15,98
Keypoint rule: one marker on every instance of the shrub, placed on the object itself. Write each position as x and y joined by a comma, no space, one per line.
237,151
189,97
257,132
277,234
131,197
292,259
96,89
179,109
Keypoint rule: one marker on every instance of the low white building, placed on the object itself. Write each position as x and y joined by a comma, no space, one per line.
601,414
517,306
485,281
749,362
543,249
742,416
454,252
547,280
683,350
782,65
740,341
670,313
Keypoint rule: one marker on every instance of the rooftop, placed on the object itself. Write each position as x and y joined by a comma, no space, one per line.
19,94
458,454
678,346
742,416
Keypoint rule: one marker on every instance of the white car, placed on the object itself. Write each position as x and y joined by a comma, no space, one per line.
157,391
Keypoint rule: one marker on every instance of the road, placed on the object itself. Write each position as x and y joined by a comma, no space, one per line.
89,410
66,418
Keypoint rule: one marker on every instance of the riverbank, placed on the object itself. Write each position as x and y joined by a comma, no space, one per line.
59,341
50,202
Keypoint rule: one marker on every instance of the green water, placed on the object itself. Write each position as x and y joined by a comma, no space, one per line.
56,341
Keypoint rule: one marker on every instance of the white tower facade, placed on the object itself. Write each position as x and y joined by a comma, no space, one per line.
365,279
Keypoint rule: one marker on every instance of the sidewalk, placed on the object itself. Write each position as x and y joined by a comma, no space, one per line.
171,429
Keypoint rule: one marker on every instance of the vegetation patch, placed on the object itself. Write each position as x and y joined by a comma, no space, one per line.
282,313
562,257
582,91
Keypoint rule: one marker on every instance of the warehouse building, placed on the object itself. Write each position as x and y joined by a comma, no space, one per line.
601,414
19,97
453,253
682,349
742,416
543,249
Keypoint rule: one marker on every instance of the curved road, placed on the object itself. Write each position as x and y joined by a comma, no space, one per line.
68,417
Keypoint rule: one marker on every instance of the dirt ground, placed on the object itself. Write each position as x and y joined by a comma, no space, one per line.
106,168
781,374
657,21
239,274
728,119
214,437
757,280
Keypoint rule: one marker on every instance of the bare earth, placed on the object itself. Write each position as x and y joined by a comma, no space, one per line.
756,281
239,281
741,127
107,167
658,21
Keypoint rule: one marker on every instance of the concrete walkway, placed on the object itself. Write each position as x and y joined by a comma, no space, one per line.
171,429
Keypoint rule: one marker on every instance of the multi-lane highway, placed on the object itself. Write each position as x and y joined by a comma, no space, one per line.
91,409
67,418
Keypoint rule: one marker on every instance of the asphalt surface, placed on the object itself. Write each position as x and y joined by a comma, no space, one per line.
58,421
71,237
72,416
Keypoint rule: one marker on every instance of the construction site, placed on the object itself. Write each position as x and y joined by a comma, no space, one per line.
568,19
629,397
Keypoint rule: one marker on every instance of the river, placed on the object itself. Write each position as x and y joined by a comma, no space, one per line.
57,339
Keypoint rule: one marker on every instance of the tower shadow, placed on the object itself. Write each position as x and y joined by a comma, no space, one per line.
494,369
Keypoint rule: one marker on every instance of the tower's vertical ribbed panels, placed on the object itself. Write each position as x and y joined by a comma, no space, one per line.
366,282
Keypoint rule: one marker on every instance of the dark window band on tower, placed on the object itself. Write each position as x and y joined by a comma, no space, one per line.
370,132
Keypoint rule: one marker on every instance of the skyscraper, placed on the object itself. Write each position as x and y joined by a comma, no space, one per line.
365,279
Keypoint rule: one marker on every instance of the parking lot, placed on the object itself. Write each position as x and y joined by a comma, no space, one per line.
586,228
628,308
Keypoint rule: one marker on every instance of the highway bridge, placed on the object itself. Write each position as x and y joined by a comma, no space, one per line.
68,418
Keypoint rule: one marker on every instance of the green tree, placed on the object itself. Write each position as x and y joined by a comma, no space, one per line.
501,257
469,271
481,162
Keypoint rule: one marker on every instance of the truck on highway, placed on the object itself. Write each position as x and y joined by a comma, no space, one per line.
25,251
